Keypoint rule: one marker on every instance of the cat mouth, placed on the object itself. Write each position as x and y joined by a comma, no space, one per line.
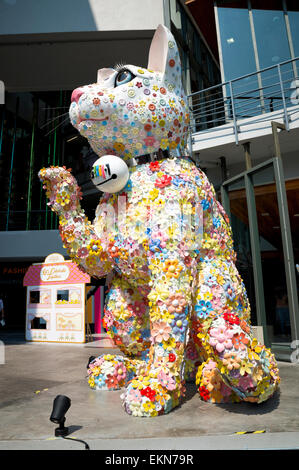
92,119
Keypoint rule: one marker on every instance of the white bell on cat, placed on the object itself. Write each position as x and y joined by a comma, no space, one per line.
110,174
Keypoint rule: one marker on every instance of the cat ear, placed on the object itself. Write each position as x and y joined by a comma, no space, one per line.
164,55
104,74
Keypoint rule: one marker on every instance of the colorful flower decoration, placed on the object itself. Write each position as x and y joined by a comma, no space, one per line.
176,307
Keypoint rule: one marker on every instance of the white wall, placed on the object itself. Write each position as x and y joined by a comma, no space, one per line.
49,16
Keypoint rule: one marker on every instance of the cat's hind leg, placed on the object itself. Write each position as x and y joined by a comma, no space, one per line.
127,322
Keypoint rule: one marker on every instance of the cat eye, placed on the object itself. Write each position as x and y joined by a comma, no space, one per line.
123,76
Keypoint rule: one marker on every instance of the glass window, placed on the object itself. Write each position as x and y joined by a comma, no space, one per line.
270,29
273,269
241,237
38,323
63,295
236,42
294,25
34,297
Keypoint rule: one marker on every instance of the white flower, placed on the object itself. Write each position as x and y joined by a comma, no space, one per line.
107,368
136,409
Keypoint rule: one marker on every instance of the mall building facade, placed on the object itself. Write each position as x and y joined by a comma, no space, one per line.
240,69
246,138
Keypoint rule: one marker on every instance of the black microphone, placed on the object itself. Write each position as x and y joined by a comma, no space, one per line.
113,177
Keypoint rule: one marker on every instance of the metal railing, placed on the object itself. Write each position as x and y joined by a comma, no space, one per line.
274,88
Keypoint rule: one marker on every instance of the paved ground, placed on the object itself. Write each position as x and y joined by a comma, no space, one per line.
34,373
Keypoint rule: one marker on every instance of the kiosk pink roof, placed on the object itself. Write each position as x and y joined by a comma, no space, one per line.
54,270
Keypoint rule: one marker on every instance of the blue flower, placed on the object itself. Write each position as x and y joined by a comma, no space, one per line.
203,309
128,186
154,244
265,361
205,204
100,380
216,222
229,291
210,280
177,181
183,323
198,180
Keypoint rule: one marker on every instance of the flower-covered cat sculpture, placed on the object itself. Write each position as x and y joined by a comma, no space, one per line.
177,307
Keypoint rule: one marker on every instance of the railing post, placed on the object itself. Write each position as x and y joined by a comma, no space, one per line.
234,114
286,119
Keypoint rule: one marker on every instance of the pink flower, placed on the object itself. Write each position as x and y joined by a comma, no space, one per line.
149,141
162,237
245,382
134,395
161,331
176,303
216,303
210,365
120,371
82,252
220,338
108,318
166,381
139,308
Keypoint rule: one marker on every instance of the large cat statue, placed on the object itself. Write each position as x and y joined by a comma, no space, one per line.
177,308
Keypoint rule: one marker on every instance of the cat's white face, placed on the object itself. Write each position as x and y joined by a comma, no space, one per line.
133,111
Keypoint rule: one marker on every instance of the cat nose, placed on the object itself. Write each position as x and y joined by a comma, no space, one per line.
76,94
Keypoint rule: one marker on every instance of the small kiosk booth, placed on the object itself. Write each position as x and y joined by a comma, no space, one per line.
55,306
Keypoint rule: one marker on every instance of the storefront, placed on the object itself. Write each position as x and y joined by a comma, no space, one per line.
13,293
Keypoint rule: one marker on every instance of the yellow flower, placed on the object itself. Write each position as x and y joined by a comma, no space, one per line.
158,294
172,268
167,317
207,296
149,407
245,367
135,335
164,143
256,348
155,314
137,384
257,374
220,280
169,344
94,247
160,202
153,194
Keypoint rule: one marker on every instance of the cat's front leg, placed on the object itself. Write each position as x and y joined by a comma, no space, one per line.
161,388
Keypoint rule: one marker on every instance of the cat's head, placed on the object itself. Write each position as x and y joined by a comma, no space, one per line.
132,111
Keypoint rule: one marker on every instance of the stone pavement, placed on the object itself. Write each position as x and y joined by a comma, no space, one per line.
34,373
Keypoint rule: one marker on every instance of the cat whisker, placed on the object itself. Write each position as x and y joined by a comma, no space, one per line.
60,124
53,119
58,107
